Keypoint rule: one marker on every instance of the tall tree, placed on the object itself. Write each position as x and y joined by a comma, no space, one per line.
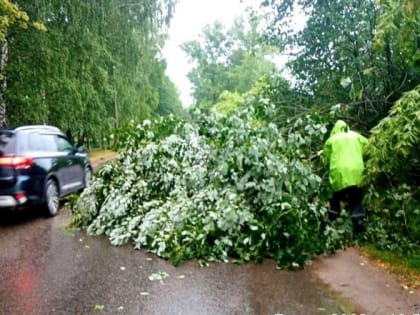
227,60
398,31
10,15
169,101
336,60
84,73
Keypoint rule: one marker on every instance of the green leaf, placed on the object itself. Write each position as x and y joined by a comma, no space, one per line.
99,307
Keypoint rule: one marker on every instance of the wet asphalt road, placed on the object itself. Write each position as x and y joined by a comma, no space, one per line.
48,268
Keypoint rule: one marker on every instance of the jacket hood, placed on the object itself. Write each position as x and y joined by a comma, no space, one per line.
340,126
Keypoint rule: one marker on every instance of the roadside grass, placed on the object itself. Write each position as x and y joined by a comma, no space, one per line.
99,157
100,153
406,267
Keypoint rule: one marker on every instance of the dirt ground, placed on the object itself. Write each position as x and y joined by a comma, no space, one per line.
97,162
369,288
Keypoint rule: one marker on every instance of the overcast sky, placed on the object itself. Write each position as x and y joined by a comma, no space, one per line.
190,17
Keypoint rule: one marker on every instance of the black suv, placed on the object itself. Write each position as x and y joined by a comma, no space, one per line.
38,166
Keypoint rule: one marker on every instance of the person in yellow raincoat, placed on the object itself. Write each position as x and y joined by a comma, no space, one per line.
343,152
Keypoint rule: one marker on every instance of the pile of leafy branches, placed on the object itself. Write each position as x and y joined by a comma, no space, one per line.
393,170
220,188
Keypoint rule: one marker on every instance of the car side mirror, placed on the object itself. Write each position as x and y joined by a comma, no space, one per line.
81,149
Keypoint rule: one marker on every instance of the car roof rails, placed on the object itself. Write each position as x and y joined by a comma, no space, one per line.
39,127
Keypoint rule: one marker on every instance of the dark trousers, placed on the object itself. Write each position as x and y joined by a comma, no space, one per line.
352,197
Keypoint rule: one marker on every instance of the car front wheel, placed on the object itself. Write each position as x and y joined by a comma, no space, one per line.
88,176
52,202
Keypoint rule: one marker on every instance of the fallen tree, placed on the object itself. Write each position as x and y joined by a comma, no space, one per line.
222,188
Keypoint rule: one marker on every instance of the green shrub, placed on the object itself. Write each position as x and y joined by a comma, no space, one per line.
225,187
393,173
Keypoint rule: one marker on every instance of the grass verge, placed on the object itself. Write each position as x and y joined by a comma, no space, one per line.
100,153
98,157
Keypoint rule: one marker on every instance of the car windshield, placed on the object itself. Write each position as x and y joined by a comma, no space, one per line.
7,142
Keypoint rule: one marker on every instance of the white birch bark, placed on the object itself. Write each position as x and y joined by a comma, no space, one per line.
3,82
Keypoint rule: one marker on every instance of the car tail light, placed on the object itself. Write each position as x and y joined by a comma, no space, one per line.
21,197
17,162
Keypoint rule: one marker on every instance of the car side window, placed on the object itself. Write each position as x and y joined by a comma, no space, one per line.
64,145
7,143
49,143
34,142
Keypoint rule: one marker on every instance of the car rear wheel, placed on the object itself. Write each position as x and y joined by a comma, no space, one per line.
52,202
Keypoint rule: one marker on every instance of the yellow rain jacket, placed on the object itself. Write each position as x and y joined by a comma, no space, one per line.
343,151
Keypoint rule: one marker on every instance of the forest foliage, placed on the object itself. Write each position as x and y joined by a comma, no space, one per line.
228,59
393,175
361,54
241,179
93,66
226,187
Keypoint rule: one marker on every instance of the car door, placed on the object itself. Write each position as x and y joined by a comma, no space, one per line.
43,149
54,160
73,169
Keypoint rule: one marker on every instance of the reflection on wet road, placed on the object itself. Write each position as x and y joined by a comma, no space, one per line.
47,268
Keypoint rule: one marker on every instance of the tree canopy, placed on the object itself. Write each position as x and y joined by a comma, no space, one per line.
83,73
227,60
356,53
242,179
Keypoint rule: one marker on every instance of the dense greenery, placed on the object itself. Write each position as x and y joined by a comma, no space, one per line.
394,175
226,187
355,53
94,67
11,15
364,56
243,181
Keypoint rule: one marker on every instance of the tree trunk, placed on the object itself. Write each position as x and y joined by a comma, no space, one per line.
3,82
